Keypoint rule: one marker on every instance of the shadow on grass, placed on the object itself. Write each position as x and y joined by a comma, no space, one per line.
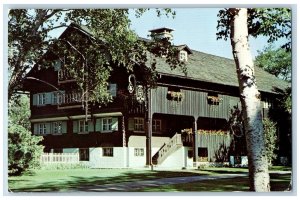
79,183
279,182
83,182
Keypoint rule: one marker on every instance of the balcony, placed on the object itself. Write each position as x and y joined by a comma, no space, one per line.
64,76
70,100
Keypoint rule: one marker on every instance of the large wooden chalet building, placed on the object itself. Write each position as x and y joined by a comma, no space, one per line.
183,122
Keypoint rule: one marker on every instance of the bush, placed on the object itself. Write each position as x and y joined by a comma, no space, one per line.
270,139
23,150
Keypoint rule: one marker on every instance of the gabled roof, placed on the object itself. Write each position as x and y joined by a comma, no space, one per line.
210,68
214,69
184,47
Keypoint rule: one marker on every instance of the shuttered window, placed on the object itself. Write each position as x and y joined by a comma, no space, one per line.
112,89
83,126
42,128
109,124
41,99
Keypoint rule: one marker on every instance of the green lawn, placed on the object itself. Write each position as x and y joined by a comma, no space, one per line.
71,179
278,183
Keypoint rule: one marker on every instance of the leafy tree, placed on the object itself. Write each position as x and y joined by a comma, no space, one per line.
276,61
23,148
271,139
109,33
238,24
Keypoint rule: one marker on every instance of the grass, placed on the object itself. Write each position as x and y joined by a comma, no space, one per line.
71,179
279,182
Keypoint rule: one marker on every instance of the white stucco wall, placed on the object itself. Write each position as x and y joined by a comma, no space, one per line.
97,160
136,161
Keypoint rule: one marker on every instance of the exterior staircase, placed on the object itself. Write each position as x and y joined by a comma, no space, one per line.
167,149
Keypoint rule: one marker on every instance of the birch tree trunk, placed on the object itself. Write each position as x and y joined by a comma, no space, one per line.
250,99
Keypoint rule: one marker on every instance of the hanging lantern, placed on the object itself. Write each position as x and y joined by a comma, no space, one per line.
140,94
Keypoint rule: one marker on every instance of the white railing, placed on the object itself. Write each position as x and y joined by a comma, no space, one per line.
168,148
71,97
52,158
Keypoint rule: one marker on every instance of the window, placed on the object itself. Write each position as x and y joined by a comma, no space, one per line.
156,125
84,154
183,56
112,88
106,124
203,154
138,152
61,98
42,129
108,152
83,126
41,99
57,127
54,98
139,124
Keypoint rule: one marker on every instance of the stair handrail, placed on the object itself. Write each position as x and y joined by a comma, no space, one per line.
168,147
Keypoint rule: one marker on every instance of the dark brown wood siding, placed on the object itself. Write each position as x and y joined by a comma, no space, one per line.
194,103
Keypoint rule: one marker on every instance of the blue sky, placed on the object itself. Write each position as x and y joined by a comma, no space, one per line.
195,27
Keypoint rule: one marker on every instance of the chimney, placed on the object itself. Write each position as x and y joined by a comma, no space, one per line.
161,33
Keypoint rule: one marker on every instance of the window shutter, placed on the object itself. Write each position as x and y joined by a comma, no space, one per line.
34,99
57,65
48,128
48,96
131,124
64,127
35,129
75,126
91,125
98,124
113,89
114,125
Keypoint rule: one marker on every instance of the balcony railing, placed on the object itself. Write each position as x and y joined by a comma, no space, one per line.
70,100
64,76
167,149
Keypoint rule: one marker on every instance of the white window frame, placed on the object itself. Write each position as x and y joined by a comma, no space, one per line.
183,56
139,124
108,152
107,124
156,125
41,99
57,128
139,152
42,129
83,126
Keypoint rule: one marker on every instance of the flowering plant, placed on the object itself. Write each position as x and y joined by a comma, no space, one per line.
175,95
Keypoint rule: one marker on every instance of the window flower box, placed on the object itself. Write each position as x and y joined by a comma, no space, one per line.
175,96
214,100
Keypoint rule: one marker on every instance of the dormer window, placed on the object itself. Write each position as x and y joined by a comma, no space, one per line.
183,56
